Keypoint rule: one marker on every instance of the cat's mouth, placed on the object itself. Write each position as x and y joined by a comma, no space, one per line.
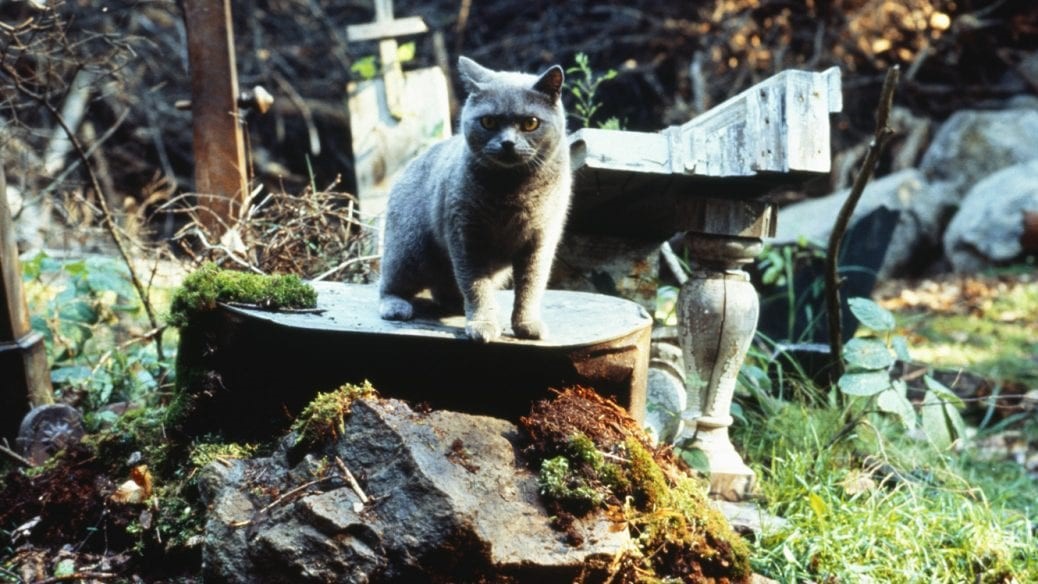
507,158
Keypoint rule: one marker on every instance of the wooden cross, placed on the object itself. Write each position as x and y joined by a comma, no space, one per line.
394,116
385,29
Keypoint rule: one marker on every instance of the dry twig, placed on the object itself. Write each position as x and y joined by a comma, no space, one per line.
832,284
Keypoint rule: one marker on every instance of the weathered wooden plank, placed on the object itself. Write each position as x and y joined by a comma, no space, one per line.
219,148
780,125
373,31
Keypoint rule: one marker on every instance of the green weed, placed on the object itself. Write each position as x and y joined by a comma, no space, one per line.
583,86
883,507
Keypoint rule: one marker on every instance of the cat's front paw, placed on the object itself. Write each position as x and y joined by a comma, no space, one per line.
530,329
482,331
395,308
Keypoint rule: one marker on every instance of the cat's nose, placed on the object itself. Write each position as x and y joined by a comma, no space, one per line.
508,146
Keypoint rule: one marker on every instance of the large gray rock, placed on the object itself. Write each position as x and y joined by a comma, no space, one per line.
972,144
987,229
917,237
450,500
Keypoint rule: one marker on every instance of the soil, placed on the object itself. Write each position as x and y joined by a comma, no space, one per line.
71,500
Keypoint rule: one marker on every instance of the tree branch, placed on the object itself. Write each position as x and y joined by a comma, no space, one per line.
832,283
106,212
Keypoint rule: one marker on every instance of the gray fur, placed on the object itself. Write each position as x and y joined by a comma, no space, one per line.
468,213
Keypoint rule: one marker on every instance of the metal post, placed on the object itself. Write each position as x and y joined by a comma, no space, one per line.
24,376
220,170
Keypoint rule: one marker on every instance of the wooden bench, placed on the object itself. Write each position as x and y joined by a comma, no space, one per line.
706,178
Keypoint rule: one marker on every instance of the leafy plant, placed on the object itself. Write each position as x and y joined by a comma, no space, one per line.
869,364
88,313
366,68
583,85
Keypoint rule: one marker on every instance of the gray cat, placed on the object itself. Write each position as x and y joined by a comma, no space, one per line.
485,204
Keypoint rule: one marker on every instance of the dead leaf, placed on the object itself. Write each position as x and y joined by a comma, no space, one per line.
857,482
129,493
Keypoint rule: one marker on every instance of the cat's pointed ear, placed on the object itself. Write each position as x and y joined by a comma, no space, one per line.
473,75
550,82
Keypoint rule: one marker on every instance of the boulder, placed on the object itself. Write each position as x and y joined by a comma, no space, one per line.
916,239
972,144
438,497
988,229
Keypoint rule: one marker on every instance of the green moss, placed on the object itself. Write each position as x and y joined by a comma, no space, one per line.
678,522
571,489
323,419
206,452
581,479
677,529
209,285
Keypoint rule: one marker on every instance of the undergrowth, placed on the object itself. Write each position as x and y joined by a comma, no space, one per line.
880,506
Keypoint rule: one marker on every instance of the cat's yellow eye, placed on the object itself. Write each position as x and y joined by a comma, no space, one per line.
529,124
488,122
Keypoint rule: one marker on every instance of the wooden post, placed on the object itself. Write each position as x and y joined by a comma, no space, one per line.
24,377
220,170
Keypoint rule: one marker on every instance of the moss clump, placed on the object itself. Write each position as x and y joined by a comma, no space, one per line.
208,285
679,532
324,418
206,452
573,490
594,456
581,479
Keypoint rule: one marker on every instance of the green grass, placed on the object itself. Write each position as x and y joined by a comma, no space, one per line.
999,340
940,518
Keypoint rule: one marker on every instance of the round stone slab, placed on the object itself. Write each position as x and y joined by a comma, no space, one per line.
573,318
256,369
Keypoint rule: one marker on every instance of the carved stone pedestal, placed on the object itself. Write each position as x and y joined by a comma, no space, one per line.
717,315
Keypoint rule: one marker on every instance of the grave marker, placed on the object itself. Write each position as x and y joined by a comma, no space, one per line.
396,115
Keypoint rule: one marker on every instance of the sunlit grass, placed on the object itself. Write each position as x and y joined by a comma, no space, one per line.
997,338
925,516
